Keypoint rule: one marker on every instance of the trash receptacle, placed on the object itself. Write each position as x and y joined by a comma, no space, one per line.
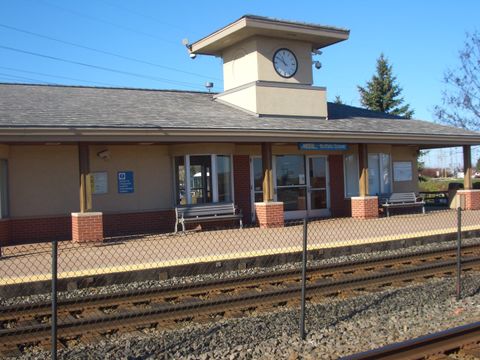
453,199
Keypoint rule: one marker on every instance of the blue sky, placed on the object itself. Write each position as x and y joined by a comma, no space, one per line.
420,38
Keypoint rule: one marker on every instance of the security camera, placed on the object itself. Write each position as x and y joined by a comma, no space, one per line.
104,154
318,65
193,56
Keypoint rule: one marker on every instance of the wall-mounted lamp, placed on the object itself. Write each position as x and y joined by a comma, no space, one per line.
104,154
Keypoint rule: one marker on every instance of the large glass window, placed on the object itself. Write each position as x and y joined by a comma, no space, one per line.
200,179
203,179
180,188
291,184
224,178
3,188
351,175
290,170
379,174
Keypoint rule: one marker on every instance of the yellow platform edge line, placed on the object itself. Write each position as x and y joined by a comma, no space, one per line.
229,256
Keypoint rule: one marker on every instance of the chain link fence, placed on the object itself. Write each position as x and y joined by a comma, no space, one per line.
202,275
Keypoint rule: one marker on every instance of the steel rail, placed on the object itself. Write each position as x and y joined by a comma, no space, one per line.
168,313
424,346
41,309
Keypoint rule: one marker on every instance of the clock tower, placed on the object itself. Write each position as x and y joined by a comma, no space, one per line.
267,65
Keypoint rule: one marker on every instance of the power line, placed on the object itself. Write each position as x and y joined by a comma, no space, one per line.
182,83
25,78
93,18
56,76
146,16
103,51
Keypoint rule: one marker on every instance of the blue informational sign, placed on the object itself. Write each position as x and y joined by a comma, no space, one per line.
322,146
125,182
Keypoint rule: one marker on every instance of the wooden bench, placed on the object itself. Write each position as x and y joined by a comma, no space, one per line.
402,200
206,213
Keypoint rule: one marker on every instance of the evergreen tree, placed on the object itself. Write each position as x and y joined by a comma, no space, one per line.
338,100
382,93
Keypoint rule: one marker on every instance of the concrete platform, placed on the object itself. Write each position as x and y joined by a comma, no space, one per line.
167,255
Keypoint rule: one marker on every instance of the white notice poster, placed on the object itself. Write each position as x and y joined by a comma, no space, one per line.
99,183
402,171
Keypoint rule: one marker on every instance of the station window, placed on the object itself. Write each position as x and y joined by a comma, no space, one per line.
3,188
350,162
203,179
379,174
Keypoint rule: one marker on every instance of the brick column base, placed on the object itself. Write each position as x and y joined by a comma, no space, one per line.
87,226
269,214
469,199
365,207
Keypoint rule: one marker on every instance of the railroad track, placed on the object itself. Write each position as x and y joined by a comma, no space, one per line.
456,343
206,301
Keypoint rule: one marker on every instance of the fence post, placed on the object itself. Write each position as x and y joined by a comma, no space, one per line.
304,280
54,298
459,253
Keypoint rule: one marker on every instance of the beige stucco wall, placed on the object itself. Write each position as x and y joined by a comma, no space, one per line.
266,48
240,64
152,168
251,60
286,101
245,98
43,180
202,149
406,153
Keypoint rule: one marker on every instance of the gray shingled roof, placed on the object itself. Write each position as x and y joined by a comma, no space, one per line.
49,106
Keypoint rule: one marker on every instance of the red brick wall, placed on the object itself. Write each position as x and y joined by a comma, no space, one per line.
471,199
139,223
270,215
22,231
241,180
365,207
338,204
4,231
87,227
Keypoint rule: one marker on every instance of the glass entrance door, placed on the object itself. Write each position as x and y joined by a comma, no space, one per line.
318,187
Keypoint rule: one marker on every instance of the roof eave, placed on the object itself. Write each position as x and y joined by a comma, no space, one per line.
122,134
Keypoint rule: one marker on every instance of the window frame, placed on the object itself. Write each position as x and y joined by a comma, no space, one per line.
345,193
214,177
390,169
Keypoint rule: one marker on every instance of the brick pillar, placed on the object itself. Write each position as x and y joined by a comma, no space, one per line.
269,214
469,199
365,207
87,226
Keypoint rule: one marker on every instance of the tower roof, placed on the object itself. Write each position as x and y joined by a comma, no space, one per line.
319,36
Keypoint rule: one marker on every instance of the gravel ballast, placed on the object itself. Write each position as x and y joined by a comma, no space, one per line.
334,328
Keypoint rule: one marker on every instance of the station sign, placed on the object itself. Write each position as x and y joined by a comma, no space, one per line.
125,182
322,146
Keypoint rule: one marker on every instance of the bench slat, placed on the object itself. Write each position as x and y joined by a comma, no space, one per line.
206,212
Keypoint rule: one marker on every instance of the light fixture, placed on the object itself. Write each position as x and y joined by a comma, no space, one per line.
209,85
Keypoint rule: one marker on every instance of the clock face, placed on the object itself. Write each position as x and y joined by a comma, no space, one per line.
285,63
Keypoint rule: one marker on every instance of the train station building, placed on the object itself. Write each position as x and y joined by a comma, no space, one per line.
84,163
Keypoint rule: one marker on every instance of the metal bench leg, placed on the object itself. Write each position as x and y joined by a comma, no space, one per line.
183,226
176,226
241,224
423,209
388,212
